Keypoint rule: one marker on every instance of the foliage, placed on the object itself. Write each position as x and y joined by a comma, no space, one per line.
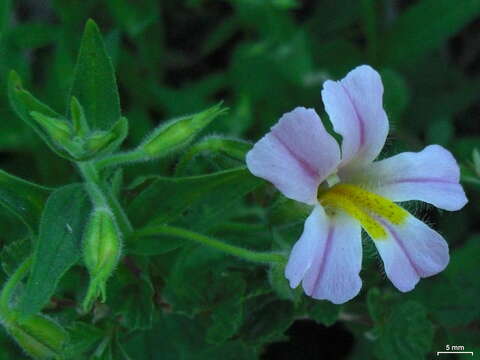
145,120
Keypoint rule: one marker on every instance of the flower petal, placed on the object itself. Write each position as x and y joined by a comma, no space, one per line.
354,105
412,251
334,272
304,250
296,155
431,175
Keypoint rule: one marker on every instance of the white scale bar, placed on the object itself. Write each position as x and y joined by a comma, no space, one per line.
454,352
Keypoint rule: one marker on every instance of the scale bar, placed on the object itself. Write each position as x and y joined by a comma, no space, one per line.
454,352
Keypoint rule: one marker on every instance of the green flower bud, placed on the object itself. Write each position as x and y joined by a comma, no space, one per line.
61,132
106,141
80,125
102,249
179,132
39,336
58,129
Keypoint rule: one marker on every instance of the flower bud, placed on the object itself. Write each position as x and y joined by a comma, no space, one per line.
58,129
107,141
80,125
178,133
39,336
102,249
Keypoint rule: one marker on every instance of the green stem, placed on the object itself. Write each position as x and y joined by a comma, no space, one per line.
120,158
11,284
214,243
102,196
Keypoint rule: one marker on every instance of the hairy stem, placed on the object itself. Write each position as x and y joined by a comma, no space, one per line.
120,158
10,286
102,196
243,253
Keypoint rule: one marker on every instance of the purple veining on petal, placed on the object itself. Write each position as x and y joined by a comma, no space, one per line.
361,124
423,180
326,252
399,241
304,164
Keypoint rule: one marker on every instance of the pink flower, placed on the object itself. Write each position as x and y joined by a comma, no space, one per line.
350,191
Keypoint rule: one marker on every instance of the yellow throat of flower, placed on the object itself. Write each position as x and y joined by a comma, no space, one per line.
364,206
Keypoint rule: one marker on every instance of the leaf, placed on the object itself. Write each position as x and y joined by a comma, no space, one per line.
148,242
94,84
279,283
24,103
178,337
83,337
452,296
58,246
266,319
200,280
227,317
324,312
406,334
13,254
45,34
134,17
423,27
135,306
167,198
23,198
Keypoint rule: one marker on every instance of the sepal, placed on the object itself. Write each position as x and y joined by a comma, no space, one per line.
39,336
101,253
177,133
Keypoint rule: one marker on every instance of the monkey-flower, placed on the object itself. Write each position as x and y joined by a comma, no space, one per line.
349,191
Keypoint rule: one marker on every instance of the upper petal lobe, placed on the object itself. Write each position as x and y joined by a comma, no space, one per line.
354,105
431,175
296,155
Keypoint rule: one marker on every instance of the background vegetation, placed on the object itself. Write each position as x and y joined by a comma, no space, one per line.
173,299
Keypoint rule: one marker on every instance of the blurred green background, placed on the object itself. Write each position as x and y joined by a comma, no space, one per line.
263,58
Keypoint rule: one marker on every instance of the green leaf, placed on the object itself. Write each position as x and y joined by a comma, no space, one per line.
279,283
147,242
23,198
24,103
266,319
13,254
45,34
5,11
423,27
94,84
227,316
167,198
178,337
323,312
135,306
136,16
406,334
58,246
200,280
83,337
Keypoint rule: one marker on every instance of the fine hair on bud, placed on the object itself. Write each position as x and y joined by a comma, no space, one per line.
102,248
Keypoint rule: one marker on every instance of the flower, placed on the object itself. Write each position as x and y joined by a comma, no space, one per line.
350,191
